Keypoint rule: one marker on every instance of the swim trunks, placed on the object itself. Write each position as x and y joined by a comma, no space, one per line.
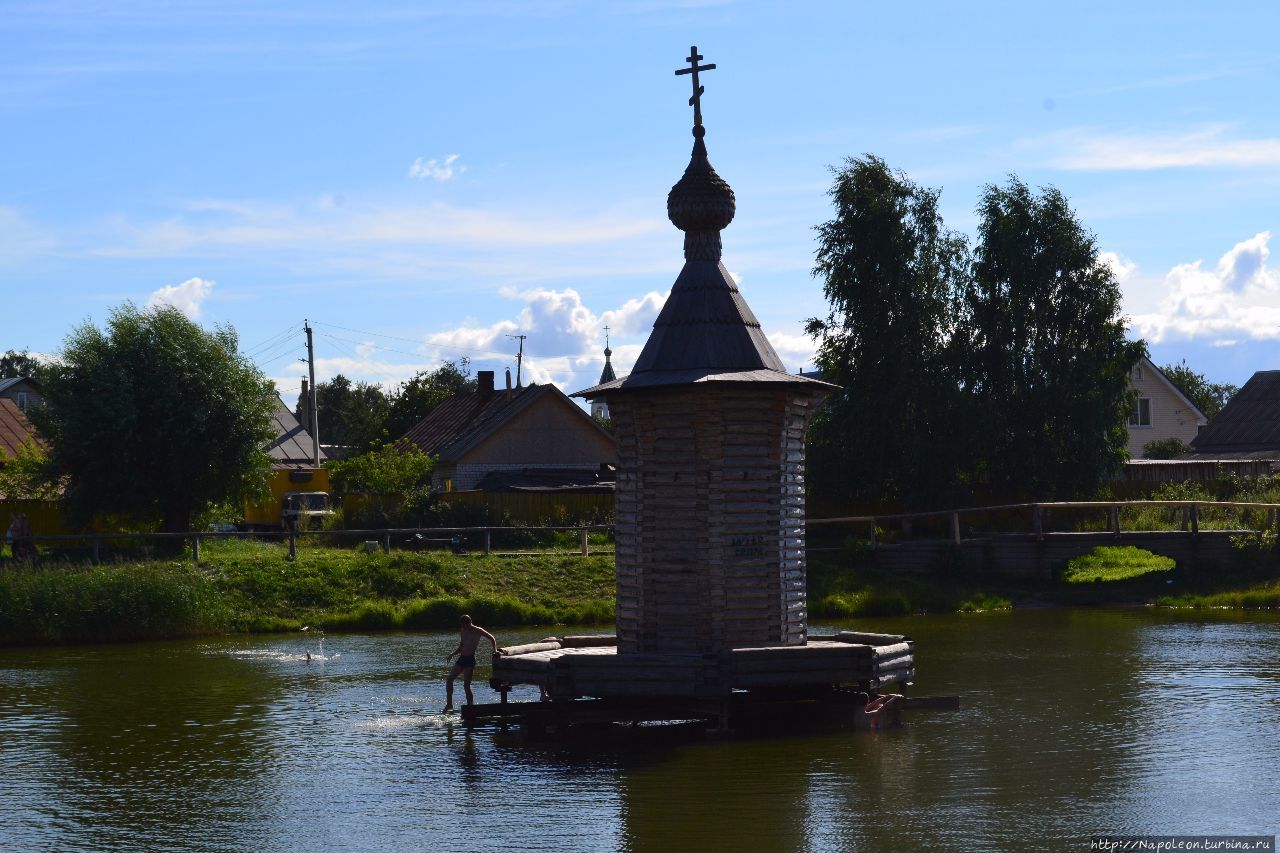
467,661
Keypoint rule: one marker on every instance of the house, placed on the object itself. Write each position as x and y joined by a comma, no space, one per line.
23,391
516,429
1248,427
1160,411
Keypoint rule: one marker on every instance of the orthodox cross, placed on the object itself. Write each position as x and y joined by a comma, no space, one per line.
606,337
694,68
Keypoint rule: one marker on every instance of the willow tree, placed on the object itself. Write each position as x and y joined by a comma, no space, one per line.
892,274
1048,361
155,419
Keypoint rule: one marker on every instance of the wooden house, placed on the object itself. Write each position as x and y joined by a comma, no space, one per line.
513,430
1160,411
24,391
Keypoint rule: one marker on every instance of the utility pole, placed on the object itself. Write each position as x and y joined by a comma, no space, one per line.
314,426
519,357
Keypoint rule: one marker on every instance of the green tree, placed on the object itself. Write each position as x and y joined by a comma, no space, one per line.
1209,397
14,363
29,474
412,401
351,414
155,419
892,273
384,470
1048,359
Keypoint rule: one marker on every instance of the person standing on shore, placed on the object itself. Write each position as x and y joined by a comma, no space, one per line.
466,665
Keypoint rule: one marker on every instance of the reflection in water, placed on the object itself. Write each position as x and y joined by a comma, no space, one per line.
1073,723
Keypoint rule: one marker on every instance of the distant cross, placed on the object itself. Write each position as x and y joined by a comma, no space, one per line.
694,68
606,337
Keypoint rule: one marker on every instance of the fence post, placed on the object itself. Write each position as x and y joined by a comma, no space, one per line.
386,542
96,553
195,549
1114,520
1186,517
1037,522
1195,519
874,543
582,539
955,528
488,542
293,544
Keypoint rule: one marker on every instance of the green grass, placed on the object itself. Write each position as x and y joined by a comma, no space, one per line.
1260,596
840,589
1109,564
253,586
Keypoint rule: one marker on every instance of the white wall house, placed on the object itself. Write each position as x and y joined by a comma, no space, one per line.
1160,411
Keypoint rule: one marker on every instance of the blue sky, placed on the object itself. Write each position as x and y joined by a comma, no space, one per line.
421,180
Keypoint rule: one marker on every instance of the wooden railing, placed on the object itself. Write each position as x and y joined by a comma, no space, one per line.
1190,514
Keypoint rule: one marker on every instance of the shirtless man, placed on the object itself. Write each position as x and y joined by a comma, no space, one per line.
466,665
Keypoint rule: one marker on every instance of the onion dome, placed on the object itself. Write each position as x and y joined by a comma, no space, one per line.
701,204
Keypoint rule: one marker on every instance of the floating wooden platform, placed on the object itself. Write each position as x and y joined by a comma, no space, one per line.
591,667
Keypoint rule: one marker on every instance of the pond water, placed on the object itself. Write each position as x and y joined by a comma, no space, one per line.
1074,722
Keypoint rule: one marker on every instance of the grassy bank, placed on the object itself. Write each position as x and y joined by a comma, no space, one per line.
252,586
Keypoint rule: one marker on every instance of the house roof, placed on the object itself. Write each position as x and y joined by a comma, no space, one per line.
1250,422
15,428
464,420
6,384
292,445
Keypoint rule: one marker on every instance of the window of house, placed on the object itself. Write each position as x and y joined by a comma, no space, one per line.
1137,373
1140,414
22,400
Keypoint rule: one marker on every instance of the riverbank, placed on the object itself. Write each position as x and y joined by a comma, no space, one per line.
245,586
252,587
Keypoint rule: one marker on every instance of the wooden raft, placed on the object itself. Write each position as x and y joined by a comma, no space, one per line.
576,667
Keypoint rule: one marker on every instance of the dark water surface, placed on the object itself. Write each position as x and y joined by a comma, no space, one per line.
1074,723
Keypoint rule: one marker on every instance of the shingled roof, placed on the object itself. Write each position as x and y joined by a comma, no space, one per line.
292,445
1250,422
463,421
15,428
705,331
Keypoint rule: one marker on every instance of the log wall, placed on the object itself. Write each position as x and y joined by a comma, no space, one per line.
710,517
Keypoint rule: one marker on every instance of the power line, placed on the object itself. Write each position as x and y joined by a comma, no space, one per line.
271,341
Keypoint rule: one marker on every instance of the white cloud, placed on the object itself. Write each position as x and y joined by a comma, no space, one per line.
186,297
796,351
1238,299
1121,267
1084,149
437,170
565,340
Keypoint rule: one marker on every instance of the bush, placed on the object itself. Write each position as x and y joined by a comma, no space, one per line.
1165,448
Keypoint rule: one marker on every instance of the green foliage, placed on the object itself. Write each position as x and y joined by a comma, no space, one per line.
413,400
155,418
384,470
88,604
1209,398
1115,564
1261,596
891,274
14,363
1049,363
29,475
1165,448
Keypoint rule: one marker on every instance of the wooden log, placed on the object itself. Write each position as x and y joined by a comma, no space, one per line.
580,641
527,648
